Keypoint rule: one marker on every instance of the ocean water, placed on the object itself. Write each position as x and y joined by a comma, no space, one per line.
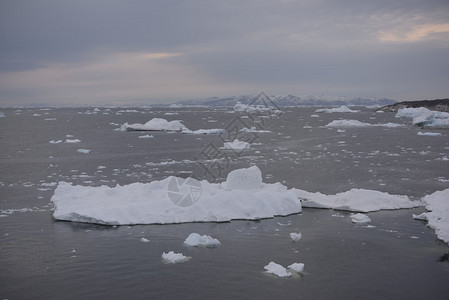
40,258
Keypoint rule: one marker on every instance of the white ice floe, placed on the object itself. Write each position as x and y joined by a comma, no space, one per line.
244,179
253,129
55,141
204,131
173,258
360,218
297,267
356,123
295,236
155,124
147,136
437,215
85,151
149,203
341,109
2,114
196,240
277,269
144,240
240,107
422,116
236,145
357,200
429,133
72,141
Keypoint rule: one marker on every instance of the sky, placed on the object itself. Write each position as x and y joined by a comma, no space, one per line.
109,52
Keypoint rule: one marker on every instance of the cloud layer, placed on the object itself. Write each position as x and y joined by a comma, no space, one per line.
112,52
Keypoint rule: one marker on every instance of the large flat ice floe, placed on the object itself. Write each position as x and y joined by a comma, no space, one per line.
242,196
159,124
437,215
356,200
356,123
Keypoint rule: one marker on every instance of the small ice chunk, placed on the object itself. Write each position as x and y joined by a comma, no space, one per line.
296,236
297,267
429,133
85,151
173,258
147,136
196,240
360,218
277,269
55,141
72,141
236,145
144,240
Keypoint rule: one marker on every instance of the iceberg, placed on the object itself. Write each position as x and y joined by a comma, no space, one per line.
236,145
277,269
341,109
151,203
173,258
155,124
196,240
429,133
422,116
204,131
356,200
437,215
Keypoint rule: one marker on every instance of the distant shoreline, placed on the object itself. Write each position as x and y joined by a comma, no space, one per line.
437,104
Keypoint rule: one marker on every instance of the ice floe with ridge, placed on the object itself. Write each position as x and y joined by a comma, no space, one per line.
437,215
159,124
242,196
356,200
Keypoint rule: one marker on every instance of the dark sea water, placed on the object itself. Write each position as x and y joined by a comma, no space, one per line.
40,258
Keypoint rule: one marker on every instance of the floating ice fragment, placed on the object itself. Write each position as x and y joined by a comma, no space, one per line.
236,145
196,240
297,267
85,151
72,141
429,133
295,236
277,269
360,218
144,240
341,109
173,258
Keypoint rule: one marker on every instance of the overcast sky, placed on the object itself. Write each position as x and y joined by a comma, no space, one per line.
111,52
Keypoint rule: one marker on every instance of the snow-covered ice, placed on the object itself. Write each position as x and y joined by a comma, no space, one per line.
236,145
146,136
277,269
149,203
196,240
155,124
360,218
295,236
253,129
144,240
297,267
204,131
341,109
357,200
356,123
244,179
422,116
437,215
173,258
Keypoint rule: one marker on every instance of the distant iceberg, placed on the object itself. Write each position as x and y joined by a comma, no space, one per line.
159,124
236,145
240,197
422,116
356,123
341,109
155,124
